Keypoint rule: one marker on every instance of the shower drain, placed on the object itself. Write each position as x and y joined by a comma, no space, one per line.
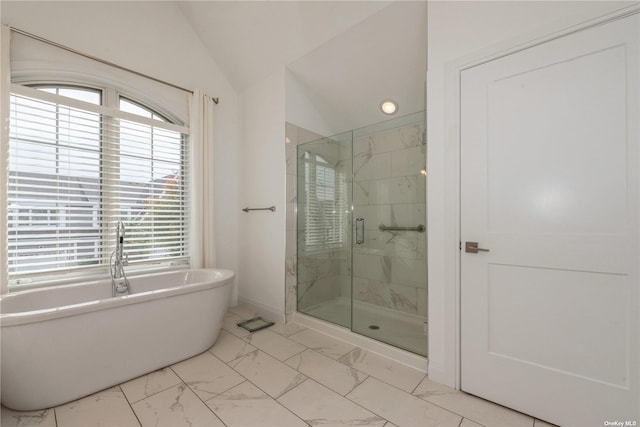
374,327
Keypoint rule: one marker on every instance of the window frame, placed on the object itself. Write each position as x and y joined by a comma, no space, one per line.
110,96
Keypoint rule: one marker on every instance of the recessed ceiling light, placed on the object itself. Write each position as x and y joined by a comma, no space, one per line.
389,106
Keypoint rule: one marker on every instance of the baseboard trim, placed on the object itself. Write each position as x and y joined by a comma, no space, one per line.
266,311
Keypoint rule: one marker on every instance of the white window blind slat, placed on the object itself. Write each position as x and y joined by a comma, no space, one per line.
325,204
75,169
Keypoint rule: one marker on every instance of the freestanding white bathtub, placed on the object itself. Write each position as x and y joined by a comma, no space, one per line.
62,343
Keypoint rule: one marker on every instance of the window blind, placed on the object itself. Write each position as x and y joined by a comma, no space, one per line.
75,169
325,204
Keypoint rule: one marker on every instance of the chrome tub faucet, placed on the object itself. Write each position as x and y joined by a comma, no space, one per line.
117,262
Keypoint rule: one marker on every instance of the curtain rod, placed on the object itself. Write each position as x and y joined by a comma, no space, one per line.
103,61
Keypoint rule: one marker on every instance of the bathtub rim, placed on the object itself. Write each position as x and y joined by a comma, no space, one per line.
41,315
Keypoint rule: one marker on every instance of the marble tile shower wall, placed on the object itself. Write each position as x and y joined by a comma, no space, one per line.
390,267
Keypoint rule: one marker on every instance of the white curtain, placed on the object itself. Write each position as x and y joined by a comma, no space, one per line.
203,251
5,82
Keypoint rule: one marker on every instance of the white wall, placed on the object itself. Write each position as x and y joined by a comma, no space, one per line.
262,172
384,56
305,110
458,30
153,38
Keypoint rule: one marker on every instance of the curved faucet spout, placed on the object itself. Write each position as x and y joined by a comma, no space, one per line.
117,261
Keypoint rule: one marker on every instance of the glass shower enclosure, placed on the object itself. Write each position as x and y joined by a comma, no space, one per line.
361,231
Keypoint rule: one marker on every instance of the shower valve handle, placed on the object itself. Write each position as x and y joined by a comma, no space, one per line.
360,230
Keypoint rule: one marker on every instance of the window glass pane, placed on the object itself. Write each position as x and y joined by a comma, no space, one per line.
92,96
135,108
130,107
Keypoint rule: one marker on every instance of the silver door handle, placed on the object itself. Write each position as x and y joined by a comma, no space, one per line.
472,248
360,230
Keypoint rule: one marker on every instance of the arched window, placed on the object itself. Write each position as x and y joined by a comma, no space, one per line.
81,159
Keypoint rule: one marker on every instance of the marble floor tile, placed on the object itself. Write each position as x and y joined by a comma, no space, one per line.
540,423
268,373
468,423
328,372
390,424
398,375
150,384
318,405
229,324
206,375
11,418
287,329
322,343
247,406
273,344
175,407
399,407
229,347
106,408
475,409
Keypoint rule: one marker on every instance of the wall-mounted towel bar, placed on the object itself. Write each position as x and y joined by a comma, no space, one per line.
420,228
270,208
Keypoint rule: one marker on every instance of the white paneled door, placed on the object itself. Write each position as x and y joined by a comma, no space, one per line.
550,187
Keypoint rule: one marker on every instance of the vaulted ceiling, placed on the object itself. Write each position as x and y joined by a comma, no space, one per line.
250,39
347,55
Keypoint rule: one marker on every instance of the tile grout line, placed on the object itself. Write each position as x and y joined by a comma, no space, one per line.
265,351
152,394
198,396
130,404
263,391
259,388
339,360
284,406
382,380
194,391
347,366
409,395
355,403
426,375
472,419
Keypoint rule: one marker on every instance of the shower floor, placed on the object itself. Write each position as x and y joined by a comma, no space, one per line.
402,330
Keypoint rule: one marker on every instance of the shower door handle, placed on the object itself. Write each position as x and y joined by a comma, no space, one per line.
359,231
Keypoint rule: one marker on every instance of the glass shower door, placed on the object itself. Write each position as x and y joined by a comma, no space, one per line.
361,231
389,300
324,174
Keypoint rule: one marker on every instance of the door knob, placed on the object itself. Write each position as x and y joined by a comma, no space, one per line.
472,248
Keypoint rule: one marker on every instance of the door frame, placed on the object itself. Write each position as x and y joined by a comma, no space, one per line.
452,167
